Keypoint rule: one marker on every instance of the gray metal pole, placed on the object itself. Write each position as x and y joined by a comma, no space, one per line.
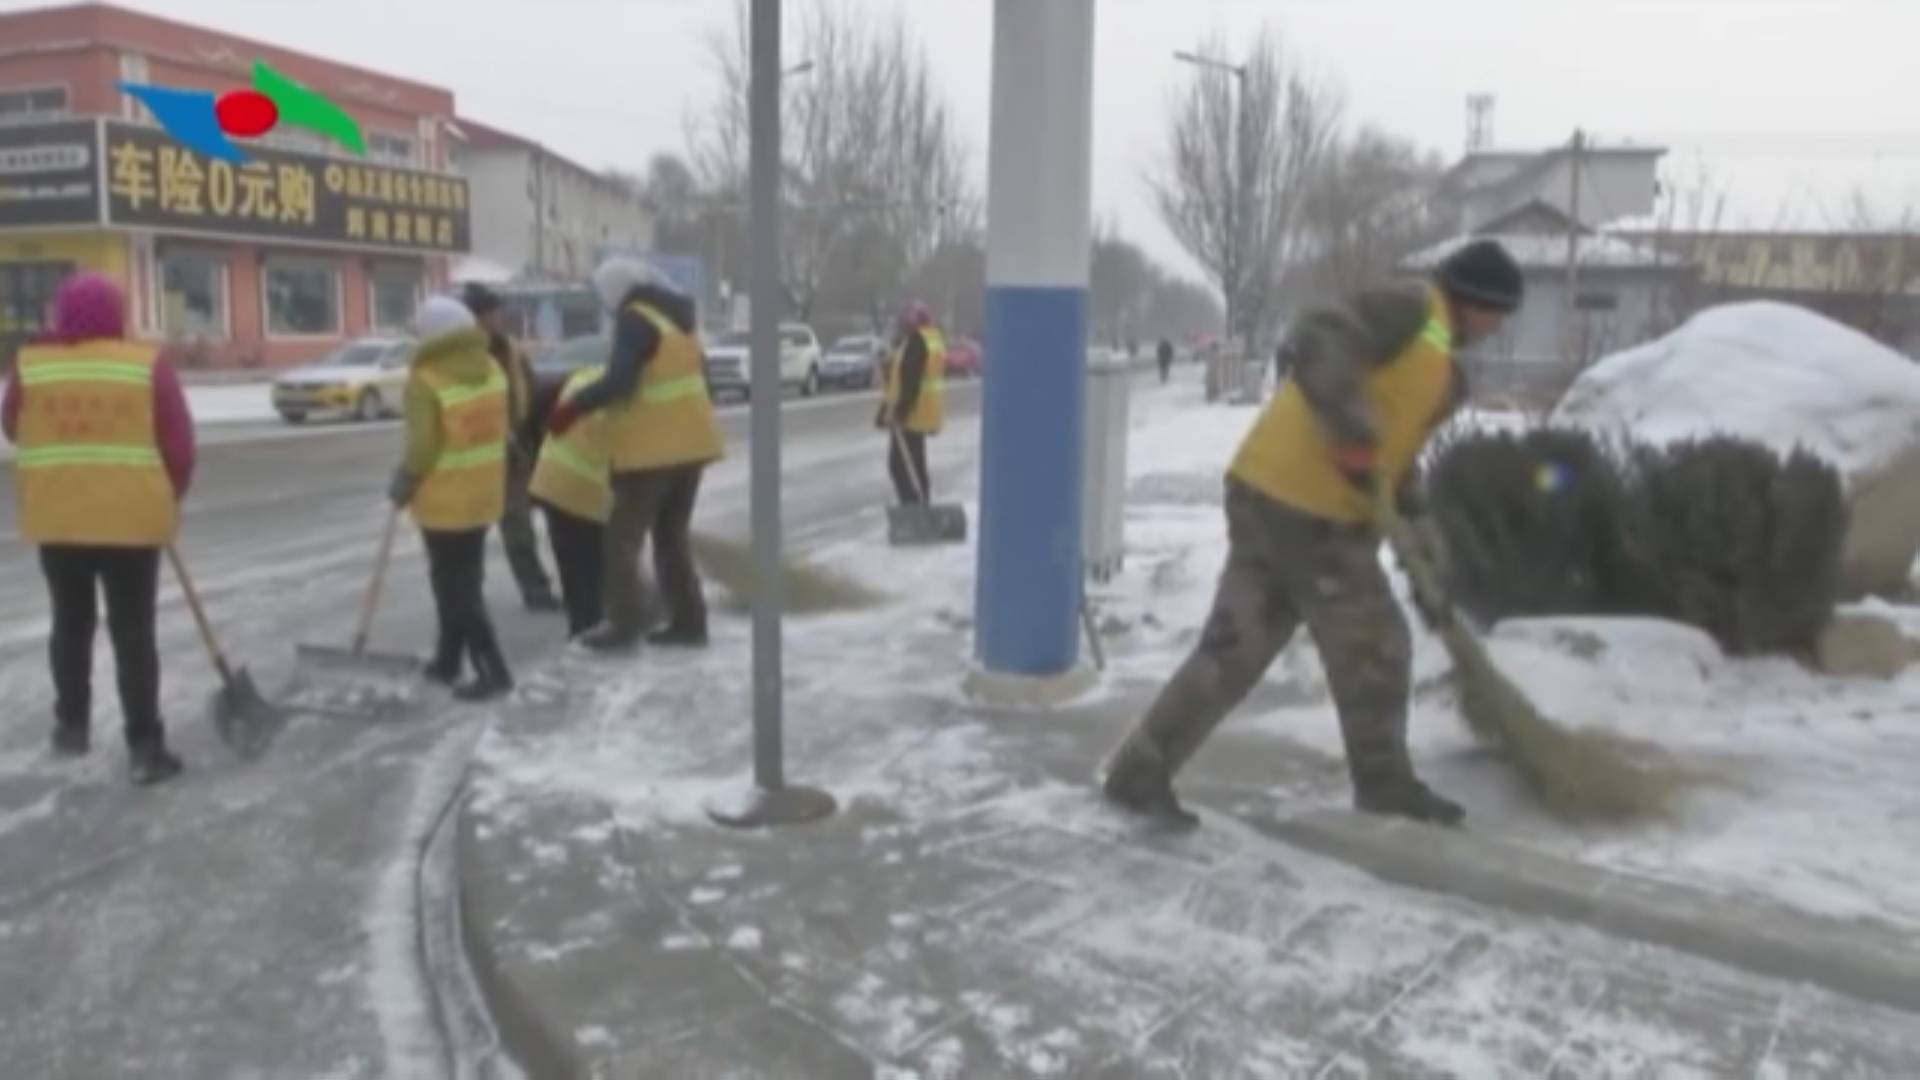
764,425
772,801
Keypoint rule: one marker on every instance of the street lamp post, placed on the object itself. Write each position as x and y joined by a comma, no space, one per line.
1242,183
771,801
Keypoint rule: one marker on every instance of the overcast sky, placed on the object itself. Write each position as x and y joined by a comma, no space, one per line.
1791,104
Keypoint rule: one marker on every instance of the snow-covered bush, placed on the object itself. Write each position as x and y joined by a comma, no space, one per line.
1719,533
1732,539
1530,523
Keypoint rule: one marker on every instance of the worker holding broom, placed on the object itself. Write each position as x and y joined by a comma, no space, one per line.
1371,379
106,452
574,491
912,407
453,479
661,436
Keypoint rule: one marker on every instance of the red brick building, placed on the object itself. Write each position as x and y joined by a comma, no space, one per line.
267,263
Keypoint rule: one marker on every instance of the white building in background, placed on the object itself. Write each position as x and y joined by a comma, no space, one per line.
1525,200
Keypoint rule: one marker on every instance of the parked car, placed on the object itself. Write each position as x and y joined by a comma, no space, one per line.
853,361
365,379
727,363
963,358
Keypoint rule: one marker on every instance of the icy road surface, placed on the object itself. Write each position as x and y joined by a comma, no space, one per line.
260,920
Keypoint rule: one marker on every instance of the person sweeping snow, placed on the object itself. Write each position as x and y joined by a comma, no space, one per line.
1372,378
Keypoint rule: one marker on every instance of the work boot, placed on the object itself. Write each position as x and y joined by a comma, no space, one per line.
491,679
444,668
71,740
542,602
1137,781
151,763
609,638
1407,798
675,637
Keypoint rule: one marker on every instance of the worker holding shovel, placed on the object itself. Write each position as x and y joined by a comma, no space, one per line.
453,479
912,408
661,436
106,452
1371,380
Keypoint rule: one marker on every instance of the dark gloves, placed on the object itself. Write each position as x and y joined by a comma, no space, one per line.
563,417
401,488
1356,464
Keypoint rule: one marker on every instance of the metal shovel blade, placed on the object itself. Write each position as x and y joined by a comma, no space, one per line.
245,720
349,682
937,523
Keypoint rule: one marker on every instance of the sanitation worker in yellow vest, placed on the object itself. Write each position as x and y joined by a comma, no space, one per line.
1371,379
105,453
573,486
453,480
661,437
914,405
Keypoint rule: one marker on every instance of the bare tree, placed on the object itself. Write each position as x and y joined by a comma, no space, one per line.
1370,204
871,159
1238,173
1687,215
1120,280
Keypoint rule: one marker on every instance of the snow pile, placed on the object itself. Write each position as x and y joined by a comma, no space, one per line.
1787,378
1774,373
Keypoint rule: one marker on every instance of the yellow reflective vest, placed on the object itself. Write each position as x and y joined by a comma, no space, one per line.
571,473
668,420
929,410
1288,456
467,487
87,467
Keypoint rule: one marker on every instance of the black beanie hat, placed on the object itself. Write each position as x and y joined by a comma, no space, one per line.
1482,274
479,299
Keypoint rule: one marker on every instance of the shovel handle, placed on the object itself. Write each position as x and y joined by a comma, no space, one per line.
379,581
192,595
900,445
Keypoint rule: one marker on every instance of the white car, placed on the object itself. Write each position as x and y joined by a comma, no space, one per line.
365,379
727,362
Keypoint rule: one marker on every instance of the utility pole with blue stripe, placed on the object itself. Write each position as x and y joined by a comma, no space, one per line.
1039,164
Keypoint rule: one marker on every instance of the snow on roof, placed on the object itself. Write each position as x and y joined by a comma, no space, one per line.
1546,251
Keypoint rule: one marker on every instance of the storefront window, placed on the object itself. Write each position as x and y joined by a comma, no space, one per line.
193,295
302,299
393,297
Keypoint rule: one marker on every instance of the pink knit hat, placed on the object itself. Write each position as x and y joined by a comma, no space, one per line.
87,306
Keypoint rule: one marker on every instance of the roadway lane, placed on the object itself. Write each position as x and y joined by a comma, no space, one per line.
254,920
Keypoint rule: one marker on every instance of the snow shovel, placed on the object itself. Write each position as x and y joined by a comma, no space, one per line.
355,658
922,522
244,720
1579,775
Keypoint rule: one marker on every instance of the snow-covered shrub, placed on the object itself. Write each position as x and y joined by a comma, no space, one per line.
1720,533
1734,540
1529,522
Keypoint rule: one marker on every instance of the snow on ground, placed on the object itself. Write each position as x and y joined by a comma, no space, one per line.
1819,804
1778,374
1105,945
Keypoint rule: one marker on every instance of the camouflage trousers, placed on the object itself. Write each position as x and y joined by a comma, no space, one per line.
1285,568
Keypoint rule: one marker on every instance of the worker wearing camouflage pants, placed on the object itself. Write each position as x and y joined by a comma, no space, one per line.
1371,380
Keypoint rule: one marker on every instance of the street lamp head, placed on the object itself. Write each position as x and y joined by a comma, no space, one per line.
800,68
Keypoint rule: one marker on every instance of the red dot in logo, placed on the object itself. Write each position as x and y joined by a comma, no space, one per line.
245,113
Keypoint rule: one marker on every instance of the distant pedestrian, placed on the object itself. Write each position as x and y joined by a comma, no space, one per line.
100,495
516,523
1163,354
1282,361
661,437
453,479
573,487
914,407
